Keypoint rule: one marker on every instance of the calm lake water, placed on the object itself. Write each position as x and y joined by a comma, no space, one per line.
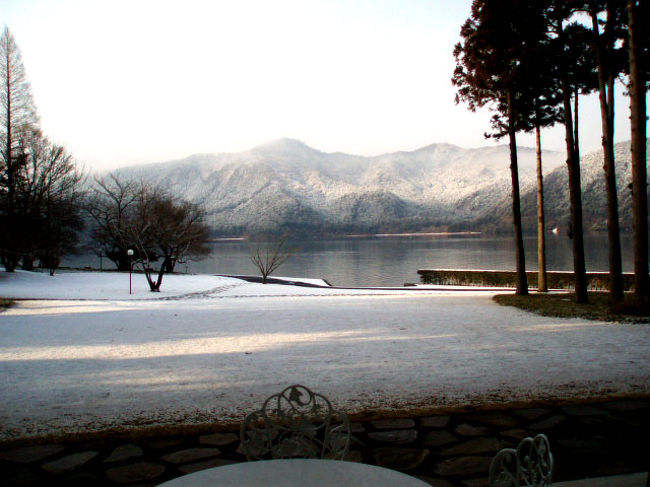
392,261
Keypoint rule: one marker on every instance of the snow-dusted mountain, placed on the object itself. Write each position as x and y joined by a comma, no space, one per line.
556,196
287,185
594,192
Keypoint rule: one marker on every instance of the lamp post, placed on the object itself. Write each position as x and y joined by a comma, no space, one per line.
130,254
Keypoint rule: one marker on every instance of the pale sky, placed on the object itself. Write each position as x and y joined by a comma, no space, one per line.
137,81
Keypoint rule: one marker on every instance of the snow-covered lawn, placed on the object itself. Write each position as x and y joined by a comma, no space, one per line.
211,348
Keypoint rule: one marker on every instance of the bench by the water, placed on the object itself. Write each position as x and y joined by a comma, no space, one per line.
493,278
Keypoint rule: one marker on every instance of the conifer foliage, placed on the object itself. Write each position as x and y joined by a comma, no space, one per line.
530,61
492,71
39,181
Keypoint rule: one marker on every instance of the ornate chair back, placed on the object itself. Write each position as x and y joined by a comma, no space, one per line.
530,465
295,423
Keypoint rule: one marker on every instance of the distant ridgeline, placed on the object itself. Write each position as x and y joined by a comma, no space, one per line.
286,186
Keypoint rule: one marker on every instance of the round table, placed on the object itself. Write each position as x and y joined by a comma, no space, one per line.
297,472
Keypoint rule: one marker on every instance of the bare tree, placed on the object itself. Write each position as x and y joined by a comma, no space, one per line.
48,201
165,230
151,222
111,205
269,255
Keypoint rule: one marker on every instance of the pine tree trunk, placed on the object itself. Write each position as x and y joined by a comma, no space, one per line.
541,233
637,91
575,199
10,260
576,120
522,281
606,98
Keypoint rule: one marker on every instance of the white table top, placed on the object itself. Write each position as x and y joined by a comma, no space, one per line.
297,472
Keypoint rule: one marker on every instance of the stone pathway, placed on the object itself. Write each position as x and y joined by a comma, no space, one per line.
451,449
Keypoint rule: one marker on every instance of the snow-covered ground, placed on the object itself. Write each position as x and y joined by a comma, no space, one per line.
83,354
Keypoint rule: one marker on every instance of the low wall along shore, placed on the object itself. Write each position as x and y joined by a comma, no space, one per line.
451,448
554,279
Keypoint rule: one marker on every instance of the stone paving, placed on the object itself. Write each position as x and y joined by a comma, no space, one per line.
448,449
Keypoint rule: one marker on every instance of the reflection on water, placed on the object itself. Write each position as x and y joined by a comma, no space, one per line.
392,261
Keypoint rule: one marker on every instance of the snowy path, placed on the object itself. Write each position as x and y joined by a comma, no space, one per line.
84,365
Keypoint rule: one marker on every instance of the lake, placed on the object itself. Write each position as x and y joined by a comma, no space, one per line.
392,261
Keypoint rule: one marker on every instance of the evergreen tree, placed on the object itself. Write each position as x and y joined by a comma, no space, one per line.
18,119
575,71
39,182
491,71
609,59
639,47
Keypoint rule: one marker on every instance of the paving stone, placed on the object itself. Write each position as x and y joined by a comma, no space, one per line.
69,462
469,430
162,443
593,421
399,437
496,419
636,422
215,462
191,455
124,452
463,466
354,456
393,424
481,482
584,444
399,458
626,405
22,479
435,481
136,472
356,442
477,445
626,480
82,479
532,413
28,454
547,423
583,411
435,422
439,438
219,439
516,434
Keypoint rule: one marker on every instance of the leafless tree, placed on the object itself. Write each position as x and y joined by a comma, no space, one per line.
269,254
165,230
48,201
148,220
111,205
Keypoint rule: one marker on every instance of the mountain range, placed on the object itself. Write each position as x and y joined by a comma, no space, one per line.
287,186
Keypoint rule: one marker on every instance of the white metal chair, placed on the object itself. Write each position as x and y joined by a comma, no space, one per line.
295,423
530,465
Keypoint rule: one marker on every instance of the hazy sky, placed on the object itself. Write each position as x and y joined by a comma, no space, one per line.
132,81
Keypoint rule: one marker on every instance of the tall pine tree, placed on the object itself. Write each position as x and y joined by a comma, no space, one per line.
608,53
18,119
490,71
639,47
